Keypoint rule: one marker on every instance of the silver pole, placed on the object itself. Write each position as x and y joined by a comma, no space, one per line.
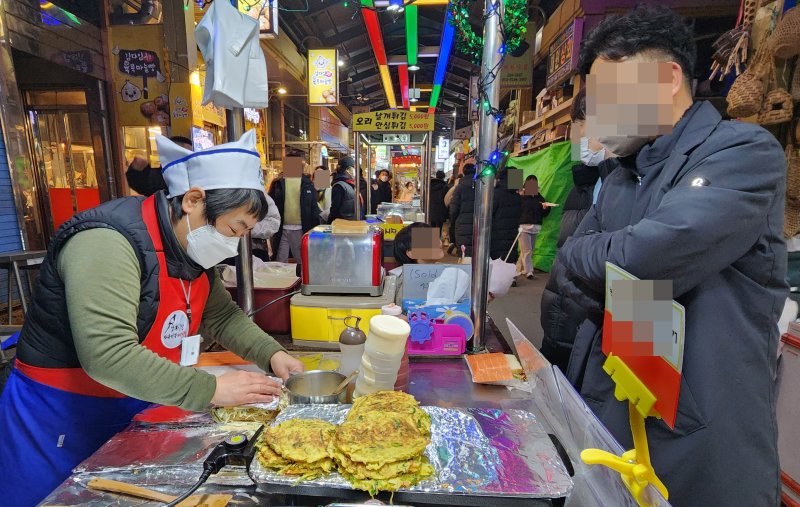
484,185
369,173
244,262
357,175
426,183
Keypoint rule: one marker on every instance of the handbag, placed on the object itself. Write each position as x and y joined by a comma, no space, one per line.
730,49
785,40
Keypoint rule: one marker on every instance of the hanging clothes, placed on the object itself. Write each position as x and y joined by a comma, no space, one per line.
236,70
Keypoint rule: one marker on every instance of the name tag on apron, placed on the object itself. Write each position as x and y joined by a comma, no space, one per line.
190,350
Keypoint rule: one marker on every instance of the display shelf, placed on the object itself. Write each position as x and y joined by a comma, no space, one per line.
540,121
538,146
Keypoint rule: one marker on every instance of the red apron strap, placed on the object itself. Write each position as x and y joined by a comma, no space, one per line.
73,380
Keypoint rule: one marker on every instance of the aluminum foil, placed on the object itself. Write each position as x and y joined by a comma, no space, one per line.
480,452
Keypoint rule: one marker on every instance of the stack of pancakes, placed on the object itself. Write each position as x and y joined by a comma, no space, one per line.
380,446
298,447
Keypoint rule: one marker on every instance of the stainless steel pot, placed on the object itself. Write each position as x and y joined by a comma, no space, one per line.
315,387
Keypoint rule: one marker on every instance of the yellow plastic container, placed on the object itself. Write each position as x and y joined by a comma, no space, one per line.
317,321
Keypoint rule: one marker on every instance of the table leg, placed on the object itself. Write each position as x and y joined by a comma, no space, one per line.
10,285
20,288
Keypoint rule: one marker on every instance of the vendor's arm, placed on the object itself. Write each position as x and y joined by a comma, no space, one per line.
697,230
225,322
103,305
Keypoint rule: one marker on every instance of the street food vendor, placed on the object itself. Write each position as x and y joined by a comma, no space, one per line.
124,291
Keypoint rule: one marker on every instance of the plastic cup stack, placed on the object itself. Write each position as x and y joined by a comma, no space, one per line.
383,355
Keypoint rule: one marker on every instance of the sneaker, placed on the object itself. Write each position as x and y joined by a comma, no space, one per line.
514,283
530,276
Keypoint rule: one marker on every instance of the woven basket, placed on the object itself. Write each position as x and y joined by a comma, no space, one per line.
791,220
795,86
777,108
785,40
747,93
792,176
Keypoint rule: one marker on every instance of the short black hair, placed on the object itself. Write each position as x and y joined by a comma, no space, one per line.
224,200
469,169
645,28
531,177
181,140
440,175
402,243
578,110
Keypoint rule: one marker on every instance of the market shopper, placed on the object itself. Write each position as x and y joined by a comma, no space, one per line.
701,206
533,211
438,210
343,193
122,292
383,190
296,201
506,210
462,209
451,226
561,314
146,180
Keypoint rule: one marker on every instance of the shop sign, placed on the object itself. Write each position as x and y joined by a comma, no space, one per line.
265,12
142,91
396,138
518,71
463,133
391,230
323,80
80,61
562,61
443,149
393,121
180,106
202,139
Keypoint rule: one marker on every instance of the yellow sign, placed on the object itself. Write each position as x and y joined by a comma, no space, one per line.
392,121
323,77
180,107
139,72
391,230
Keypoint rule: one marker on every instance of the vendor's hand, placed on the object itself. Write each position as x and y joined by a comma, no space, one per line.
139,164
241,387
283,365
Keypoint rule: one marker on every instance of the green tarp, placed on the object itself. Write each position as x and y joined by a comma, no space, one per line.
552,166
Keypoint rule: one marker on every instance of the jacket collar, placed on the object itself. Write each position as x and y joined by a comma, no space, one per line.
691,130
179,265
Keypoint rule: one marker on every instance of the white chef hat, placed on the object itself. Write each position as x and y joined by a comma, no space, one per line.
230,165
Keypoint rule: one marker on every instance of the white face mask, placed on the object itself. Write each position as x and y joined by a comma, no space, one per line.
208,247
384,178
589,157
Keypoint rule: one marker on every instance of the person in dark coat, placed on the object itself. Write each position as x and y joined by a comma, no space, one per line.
701,206
506,210
343,193
462,210
146,180
438,211
534,209
383,190
561,315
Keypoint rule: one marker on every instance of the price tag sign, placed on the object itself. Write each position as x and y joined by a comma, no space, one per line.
645,328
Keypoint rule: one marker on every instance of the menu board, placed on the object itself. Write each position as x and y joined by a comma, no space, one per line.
564,51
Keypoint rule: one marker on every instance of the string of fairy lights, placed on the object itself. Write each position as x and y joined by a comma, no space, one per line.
511,26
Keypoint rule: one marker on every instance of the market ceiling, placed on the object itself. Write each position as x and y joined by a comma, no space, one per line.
376,46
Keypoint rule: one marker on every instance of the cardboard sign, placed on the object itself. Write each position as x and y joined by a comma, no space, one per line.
417,278
659,370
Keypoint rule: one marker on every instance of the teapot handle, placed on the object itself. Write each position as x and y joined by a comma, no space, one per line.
358,321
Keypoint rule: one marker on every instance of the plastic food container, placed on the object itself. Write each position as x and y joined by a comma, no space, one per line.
388,334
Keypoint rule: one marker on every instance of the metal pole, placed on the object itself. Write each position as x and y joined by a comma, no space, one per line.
244,262
357,175
369,173
427,181
484,185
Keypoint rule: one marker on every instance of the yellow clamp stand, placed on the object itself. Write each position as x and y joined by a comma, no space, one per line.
634,466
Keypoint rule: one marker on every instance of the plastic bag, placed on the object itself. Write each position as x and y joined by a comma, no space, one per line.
501,276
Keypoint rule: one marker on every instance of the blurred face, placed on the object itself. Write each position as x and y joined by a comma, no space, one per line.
630,102
426,245
384,176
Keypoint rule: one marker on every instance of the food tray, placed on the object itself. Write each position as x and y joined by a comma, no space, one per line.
475,452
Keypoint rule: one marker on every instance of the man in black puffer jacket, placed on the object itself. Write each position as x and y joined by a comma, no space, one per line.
506,211
437,213
560,314
462,209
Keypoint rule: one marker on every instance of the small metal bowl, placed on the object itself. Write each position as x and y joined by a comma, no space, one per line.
314,387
